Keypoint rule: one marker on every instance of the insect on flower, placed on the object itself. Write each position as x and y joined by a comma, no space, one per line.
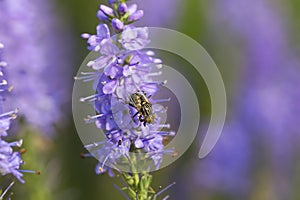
141,103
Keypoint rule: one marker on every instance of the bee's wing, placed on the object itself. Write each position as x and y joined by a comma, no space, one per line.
158,108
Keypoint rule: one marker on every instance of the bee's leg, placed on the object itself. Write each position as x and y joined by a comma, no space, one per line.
131,104
135,114
144,123
149,96
141,119
119,142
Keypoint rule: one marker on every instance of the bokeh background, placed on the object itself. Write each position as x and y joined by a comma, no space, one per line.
255,44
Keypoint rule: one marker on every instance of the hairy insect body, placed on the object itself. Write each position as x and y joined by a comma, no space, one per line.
141,103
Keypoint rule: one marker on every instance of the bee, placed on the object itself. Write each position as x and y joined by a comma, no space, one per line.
141,103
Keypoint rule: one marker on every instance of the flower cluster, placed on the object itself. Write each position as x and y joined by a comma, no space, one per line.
10,160
123,69
125,80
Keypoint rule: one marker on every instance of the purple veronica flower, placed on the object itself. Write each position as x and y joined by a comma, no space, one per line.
94,40
125,69
32,35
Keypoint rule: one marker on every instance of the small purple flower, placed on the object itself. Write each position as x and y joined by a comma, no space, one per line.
134,38
109,52
106,11
117,24
136,16
101,16
94,41
122,8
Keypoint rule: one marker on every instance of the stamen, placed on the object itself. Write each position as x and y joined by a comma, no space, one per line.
155,74
150,53
164,133
10,114
95,144
16,143
88,73
166,197
87,76
90,119
164,125
166,188
159,66
93,97
102,167
29,171
157,82
157,61
161,100
122,192
6,190
172,133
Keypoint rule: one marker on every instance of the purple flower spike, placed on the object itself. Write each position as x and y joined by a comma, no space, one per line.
117,24
125,77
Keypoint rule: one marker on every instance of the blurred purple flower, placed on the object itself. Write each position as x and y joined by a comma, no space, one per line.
267,103
159,13
227,169
37,49
10,160
269,96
